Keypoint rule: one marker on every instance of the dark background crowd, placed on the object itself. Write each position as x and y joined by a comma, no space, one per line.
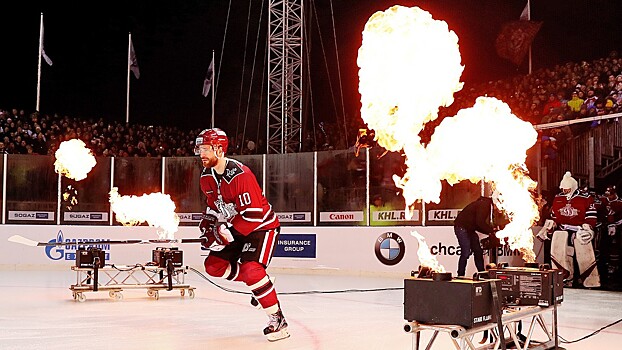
565,92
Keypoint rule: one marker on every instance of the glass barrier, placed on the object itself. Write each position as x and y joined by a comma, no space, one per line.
181,182
31,190
453,199
137,176
35,193
341,187
289,187
86,202
387,205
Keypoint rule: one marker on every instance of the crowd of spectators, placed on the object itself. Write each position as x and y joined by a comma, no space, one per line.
564,92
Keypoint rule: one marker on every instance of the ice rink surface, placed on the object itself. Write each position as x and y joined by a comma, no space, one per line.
37,311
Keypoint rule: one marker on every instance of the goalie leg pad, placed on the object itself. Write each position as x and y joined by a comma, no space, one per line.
587,264
559,253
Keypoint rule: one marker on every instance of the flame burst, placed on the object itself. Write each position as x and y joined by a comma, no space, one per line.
156,209
74,160
425,257
409,67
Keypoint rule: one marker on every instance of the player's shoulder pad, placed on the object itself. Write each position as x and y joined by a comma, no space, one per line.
233,169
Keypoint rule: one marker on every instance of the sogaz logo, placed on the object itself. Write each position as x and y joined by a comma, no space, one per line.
390,248
68,250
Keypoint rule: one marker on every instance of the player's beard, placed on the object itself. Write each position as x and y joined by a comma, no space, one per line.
209,162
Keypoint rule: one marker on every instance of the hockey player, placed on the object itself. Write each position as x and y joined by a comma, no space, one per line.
574,214
240,229
612,242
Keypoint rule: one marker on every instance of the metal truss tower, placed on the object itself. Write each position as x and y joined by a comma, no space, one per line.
284,124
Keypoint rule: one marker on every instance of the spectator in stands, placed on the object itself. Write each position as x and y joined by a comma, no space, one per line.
575,103
549,150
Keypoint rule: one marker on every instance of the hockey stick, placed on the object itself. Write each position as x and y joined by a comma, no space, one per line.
29,242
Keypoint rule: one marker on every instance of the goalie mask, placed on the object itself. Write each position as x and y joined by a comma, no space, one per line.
213,137
568,185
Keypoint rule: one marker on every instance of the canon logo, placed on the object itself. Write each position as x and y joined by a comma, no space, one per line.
341,216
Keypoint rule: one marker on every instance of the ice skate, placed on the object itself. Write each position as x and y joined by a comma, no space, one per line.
277,327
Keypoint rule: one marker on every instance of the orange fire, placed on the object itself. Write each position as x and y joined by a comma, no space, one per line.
156,209
74,160
409,67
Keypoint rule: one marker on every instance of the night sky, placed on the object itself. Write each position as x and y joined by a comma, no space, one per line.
173,40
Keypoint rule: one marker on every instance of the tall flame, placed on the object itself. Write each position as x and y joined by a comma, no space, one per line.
73,159
425,257
409,67
156,209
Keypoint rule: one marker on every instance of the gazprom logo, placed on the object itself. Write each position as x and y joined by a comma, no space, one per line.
68,250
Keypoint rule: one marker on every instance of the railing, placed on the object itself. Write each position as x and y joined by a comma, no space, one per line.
590,156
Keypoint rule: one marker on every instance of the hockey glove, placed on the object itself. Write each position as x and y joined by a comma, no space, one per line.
207,226
611,229
543,234
585,234
215,237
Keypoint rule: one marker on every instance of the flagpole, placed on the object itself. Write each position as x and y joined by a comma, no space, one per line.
213,88
529,19
127,108
39,67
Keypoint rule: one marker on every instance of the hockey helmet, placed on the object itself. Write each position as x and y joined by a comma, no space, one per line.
568,183
213,137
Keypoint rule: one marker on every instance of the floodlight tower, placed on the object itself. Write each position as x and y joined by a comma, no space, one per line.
285,29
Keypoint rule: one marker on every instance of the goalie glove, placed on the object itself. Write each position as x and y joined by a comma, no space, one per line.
585,234
543,234
611,229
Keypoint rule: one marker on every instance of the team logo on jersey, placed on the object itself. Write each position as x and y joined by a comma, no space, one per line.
231,172
568,211
390,248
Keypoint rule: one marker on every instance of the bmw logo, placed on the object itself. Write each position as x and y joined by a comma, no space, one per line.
390,248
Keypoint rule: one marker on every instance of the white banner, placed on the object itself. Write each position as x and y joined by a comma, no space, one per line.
394,215
294,217
31,215
442,214
341,216
190,217
85,216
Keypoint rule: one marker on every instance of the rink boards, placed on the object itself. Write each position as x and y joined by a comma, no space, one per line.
350,250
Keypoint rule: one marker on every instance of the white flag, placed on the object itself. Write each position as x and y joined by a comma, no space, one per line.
207,83
525,15
133,62
45,57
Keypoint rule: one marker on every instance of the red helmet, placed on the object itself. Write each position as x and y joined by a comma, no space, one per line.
213,137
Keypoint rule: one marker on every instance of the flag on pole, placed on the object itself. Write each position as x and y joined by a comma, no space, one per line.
515,38
133,62
524,16
45,57
207,83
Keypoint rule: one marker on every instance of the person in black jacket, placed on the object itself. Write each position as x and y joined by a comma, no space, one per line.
476,216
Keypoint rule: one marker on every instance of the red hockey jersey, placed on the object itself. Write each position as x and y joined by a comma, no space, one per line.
577,210
245,206
614,211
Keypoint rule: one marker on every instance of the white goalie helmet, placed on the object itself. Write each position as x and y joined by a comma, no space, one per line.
568,185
